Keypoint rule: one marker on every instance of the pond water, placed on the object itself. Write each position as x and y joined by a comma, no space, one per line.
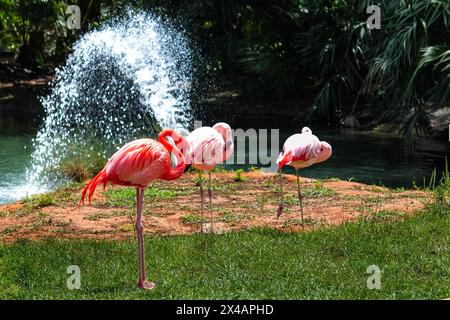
14,156
375,159
368,158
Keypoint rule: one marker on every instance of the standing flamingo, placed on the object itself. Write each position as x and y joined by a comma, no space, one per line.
137,164
208,147
301,151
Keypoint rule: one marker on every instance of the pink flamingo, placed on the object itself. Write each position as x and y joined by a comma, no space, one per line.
301,151
137,164
208,147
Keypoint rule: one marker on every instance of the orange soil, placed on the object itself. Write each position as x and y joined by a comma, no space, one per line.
236,205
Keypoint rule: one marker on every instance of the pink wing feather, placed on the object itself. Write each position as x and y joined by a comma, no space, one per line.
206,147
299,147
135,164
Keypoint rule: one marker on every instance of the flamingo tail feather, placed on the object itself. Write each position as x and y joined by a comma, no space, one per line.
90,187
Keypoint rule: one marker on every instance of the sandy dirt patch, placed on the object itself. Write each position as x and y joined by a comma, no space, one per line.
236,205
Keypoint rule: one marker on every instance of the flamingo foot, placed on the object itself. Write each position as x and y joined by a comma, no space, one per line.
146,285
280,210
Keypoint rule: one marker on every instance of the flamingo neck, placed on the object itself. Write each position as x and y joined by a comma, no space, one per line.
176,172
225,131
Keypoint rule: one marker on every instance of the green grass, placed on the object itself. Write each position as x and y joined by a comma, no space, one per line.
260,263
191,219
316,191
238,177
290,199
384,216
83,162
232,218
328,263
307,221
35,202
125,197
319,191
59,197
39,201
107,215
9,230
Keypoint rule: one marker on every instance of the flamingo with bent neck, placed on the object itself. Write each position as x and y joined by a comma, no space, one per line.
136,164
301,150
209,146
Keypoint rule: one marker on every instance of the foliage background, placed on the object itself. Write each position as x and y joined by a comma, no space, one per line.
276,51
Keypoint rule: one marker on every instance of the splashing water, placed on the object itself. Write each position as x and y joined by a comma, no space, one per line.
123,81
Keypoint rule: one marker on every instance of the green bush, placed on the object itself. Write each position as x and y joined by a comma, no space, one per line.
238,175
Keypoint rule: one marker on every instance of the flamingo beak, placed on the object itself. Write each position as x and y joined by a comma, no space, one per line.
188,167
171,141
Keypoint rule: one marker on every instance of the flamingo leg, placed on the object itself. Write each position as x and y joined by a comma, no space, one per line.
300,198
210,201
201,200
140,237
281,206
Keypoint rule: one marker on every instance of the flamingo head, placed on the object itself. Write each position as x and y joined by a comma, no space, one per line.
225,131
175,139
325,152
306,130
182,132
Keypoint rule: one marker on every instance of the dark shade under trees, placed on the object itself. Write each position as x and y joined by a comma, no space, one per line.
280,49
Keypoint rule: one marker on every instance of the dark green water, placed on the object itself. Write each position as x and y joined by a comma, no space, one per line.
367,158
375,159
14,157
